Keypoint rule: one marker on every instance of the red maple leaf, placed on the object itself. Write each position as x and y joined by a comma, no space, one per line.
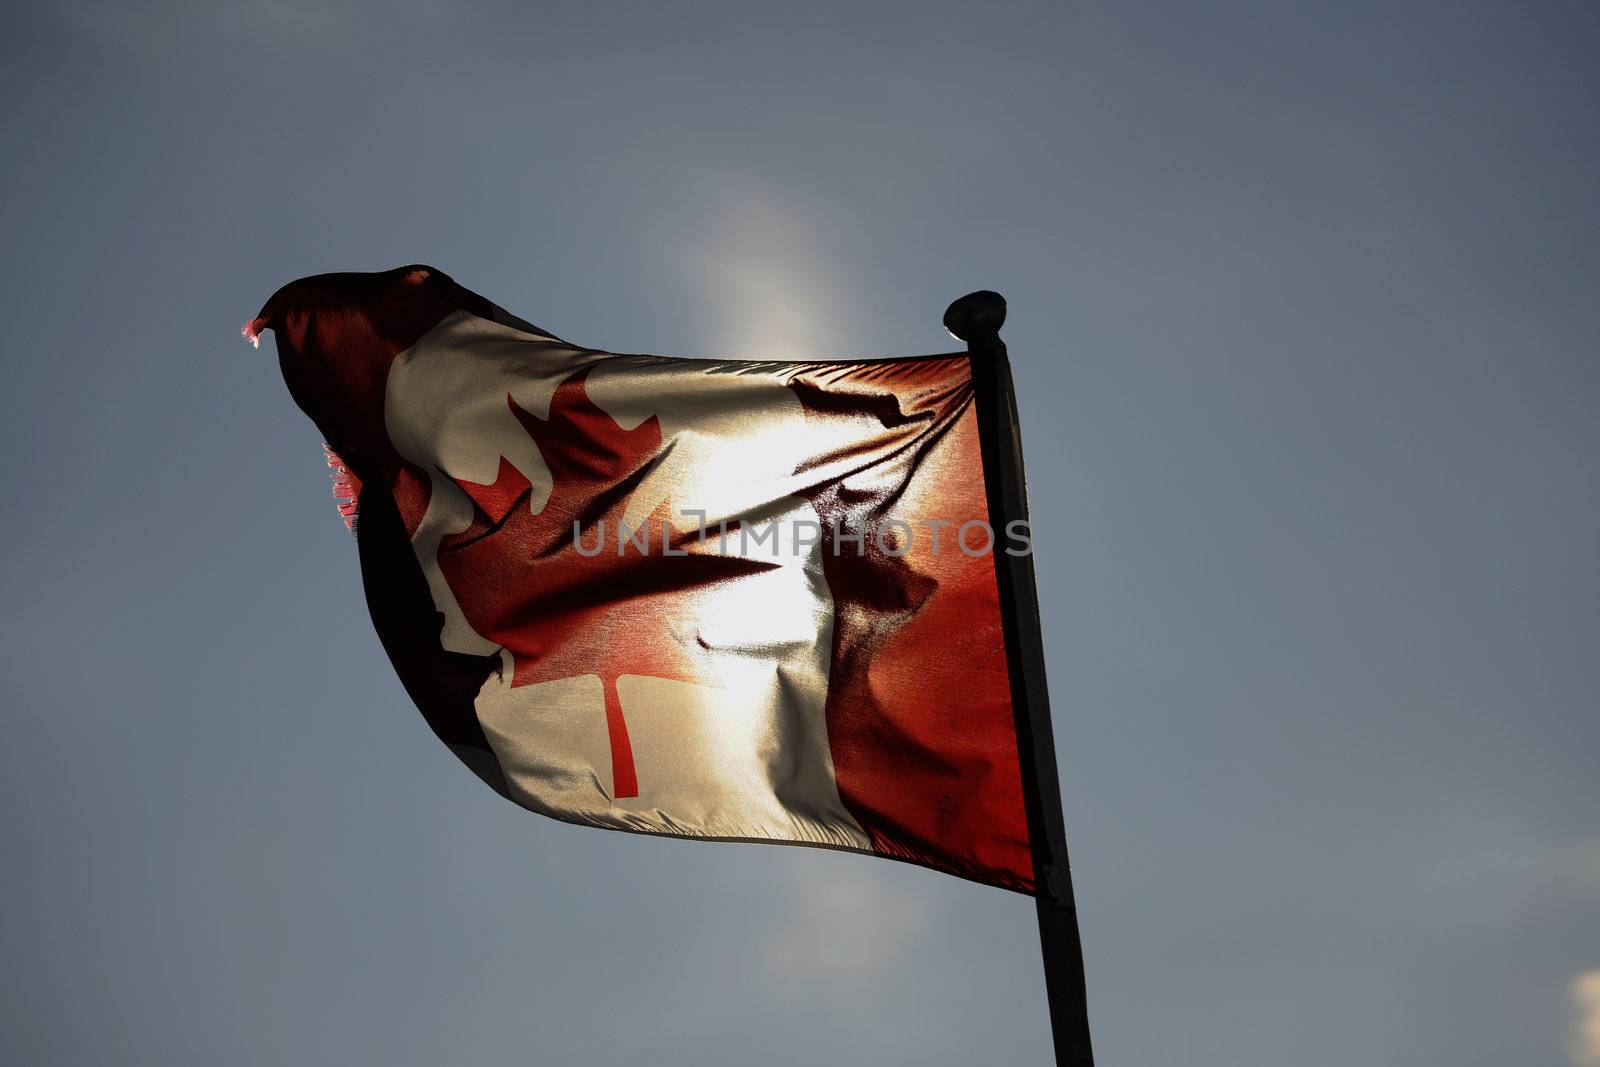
522,583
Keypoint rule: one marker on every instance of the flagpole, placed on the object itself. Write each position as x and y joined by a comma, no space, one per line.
976,319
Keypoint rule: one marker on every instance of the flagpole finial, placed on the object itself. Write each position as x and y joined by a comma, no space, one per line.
976,316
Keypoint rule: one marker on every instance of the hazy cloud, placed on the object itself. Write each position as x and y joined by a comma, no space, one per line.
866,920
1585,990
760,262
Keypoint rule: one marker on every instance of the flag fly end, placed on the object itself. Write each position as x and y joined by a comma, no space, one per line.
251,331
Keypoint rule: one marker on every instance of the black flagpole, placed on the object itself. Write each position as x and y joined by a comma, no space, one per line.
976,319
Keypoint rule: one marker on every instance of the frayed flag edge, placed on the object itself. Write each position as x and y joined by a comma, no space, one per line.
251,331
346,488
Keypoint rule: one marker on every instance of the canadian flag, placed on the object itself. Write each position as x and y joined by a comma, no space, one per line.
721,599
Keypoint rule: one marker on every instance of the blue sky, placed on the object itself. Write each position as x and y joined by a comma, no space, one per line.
1302,309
